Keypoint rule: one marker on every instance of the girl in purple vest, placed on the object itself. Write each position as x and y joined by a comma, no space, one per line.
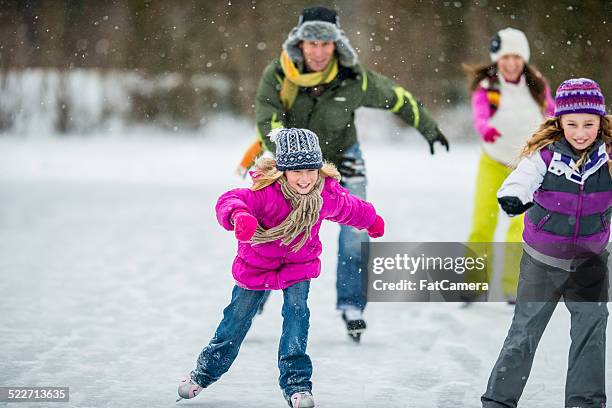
564,184
277,224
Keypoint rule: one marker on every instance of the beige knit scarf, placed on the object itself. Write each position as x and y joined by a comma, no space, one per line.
305,213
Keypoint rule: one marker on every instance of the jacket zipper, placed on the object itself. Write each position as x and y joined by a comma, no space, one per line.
328,92
315,103
542,222
577,230
604,222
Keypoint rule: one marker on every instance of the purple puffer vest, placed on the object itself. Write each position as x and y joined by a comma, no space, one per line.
570,219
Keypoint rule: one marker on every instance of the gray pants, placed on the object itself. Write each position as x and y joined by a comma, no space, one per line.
540,287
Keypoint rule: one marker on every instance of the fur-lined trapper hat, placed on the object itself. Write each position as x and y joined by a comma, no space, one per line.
320,24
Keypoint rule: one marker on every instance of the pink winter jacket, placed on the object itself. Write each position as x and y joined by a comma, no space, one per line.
481,109
275,266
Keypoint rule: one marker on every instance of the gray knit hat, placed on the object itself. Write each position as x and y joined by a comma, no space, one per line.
320,24
296,149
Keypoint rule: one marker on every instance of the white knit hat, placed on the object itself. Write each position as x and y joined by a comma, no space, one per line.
509,41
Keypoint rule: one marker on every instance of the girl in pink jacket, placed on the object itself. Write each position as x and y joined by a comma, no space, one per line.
277,224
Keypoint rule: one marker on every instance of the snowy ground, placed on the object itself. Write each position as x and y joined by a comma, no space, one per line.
115,272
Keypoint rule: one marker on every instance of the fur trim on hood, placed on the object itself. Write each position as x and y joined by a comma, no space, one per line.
320,31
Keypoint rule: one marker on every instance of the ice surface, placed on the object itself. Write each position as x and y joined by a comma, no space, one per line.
115,273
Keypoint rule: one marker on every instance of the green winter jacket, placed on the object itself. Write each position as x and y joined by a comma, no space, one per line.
329,110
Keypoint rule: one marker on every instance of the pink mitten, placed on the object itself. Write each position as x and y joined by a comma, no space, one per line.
491,135
244,225
377,229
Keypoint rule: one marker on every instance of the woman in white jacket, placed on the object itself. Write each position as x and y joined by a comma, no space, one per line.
510,99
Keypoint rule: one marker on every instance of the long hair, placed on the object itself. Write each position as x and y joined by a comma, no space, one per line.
305,208
266,173
550,131
534,79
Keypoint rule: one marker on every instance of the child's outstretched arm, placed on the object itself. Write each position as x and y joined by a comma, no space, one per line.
354,212
236,209
516,193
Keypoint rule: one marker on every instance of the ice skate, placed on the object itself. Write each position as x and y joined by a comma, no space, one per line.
355,325
302,399
188,388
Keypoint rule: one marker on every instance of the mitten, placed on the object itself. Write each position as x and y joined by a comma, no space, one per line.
513,205
245,225
491,135
377,229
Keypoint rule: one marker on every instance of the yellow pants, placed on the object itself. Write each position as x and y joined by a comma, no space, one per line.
491,175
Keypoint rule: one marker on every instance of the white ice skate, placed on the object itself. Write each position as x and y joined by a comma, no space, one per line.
301,399
188,388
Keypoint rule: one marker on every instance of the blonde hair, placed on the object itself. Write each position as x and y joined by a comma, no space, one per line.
305,207
266,173
550,132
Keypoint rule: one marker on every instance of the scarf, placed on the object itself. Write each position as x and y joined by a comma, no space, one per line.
294,78
305,213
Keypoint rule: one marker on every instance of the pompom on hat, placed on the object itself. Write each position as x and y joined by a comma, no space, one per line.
579,95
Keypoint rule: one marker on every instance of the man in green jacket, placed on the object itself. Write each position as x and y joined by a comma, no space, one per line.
317,83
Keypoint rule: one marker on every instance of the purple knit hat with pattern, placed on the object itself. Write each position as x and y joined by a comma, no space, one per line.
581,95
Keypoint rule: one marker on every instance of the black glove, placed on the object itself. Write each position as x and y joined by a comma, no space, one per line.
436,136
513,205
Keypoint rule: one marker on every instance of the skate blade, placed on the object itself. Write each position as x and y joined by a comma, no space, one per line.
178,399
467,305
356,331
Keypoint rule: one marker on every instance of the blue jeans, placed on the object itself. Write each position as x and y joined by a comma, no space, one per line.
293,362
349,288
